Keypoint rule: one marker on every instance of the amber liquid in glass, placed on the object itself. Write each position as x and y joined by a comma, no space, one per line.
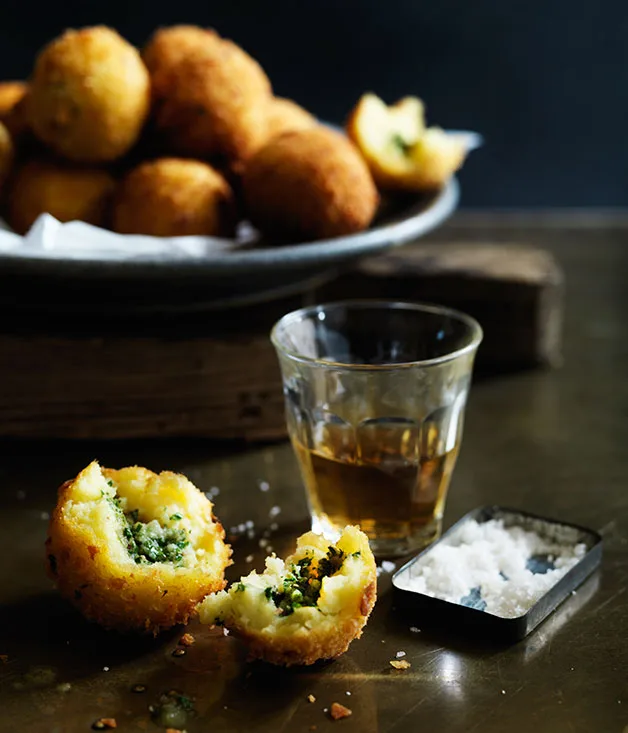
396,498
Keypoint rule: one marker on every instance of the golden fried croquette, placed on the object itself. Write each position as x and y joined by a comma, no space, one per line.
89,95
310,607
167,47
212,103
135,550
284,115
172,197
65,192
401,153
11,93
309,184
7,154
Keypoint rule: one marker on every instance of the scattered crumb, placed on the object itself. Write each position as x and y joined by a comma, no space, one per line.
4,658
249,558
187,640
138,688
338,711
415,630
264,486
400,654
104,724
311,698
105,669
400,664
45,515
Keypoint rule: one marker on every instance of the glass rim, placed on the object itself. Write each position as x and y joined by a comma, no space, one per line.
476,334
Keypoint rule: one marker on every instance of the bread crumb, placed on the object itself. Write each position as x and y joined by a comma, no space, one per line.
311,698
187,640
400,664
105,723
338,711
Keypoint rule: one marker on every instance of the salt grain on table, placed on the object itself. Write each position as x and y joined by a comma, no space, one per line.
487,566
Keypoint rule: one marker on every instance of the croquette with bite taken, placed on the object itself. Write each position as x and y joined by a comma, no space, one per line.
89,95
307,608
135,550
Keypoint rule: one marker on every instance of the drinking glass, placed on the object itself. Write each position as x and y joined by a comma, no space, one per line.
375,395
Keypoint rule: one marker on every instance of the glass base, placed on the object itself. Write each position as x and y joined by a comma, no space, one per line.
385,545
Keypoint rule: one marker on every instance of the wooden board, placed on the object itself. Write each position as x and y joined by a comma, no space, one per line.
217,376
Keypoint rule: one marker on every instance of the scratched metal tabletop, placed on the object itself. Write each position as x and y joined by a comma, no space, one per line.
554,443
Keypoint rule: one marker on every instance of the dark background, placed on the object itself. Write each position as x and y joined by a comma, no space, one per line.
545,81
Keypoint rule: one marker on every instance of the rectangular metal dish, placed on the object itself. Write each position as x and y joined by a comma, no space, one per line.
427,610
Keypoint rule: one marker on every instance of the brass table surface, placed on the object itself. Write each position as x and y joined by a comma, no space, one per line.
548,442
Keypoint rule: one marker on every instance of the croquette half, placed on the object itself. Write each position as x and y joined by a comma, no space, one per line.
89,95
135,550
212,104
309,184
172,197
310,607
67,193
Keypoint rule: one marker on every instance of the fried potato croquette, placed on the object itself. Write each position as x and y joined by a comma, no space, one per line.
284,115
11,94
401,153
135,550
212,104
7,154
65,192
310,607
167,47
172,197
309,184
89,95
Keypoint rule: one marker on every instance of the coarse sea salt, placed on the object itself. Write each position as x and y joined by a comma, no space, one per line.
491,567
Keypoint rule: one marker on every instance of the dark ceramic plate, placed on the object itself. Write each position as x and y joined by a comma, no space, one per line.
227,279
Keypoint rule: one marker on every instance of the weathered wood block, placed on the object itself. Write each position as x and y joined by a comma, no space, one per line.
514,291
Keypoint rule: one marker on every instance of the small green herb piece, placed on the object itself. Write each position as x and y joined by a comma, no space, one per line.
240,588
174,710
175,516
110,483
302,586
149,542
402,146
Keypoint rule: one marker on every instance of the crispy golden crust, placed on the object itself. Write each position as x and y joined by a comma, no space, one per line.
309,184
91,567
173,197
11,94
212,103
402,154
7,154
308,633
67,193
313,645
167,47
89,95
284,115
